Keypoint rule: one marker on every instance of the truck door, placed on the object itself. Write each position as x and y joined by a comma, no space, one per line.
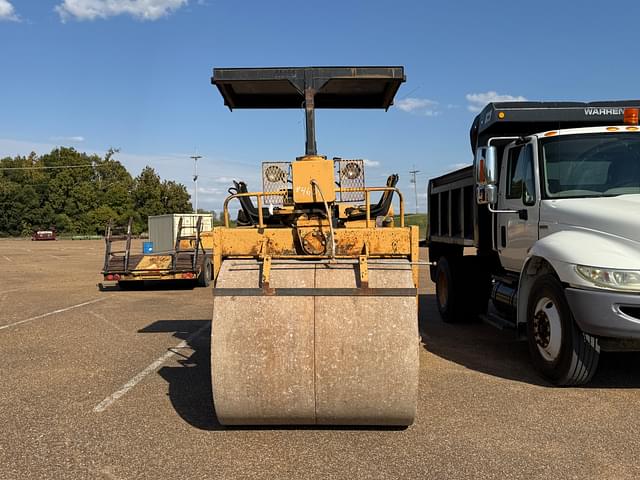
517,231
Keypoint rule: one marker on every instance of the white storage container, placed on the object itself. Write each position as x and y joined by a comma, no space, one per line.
163,229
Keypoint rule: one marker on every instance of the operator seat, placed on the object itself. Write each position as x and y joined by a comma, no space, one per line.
380,208
249,213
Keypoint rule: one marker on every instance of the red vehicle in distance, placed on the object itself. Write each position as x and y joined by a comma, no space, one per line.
41,235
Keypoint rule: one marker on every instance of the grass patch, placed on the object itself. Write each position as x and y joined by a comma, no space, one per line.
419,219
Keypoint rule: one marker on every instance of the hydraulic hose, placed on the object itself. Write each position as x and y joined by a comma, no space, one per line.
326,206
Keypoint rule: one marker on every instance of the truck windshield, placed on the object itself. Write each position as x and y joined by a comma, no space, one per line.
591,165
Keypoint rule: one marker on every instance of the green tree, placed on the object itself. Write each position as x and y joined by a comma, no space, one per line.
79,193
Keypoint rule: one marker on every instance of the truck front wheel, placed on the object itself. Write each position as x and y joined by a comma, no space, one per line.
560,351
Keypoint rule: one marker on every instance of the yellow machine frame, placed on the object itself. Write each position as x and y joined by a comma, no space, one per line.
362,242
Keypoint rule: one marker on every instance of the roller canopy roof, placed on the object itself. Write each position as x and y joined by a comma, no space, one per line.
332,87
526,118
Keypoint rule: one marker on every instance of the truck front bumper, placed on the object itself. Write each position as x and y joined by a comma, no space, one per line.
606,313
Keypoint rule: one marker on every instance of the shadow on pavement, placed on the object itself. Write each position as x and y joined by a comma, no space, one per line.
486,349
162,285
190,383
154,285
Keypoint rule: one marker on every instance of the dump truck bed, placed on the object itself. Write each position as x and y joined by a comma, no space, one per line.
452,208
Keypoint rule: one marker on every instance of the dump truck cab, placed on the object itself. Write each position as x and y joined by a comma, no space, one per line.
572,179
555,215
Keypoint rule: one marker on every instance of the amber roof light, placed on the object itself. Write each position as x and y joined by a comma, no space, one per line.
631,116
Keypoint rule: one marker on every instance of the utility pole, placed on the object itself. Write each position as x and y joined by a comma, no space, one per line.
195,177
414,172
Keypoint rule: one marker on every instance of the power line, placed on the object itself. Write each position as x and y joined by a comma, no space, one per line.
52,167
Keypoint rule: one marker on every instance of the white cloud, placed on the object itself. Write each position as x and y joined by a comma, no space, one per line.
212,191
223,180
140,9
73,139
418,106
7,12
477,101
371,163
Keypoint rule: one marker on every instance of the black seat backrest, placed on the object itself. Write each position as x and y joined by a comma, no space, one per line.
383,205
250,211
246,202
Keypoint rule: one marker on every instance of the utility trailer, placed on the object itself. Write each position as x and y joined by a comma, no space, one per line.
187,261
550,208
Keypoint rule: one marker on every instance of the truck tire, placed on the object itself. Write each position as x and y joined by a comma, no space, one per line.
463,287
560,351
204,279
448,290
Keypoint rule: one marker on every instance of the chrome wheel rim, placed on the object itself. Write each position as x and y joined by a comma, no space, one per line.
547,329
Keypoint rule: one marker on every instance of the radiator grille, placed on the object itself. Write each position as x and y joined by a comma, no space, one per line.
351,175
275,176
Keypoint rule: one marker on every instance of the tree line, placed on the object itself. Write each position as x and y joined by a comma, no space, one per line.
77,193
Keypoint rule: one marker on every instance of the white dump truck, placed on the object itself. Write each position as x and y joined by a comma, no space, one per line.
542,233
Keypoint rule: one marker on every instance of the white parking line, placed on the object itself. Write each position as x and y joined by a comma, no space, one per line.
37,317
152,367
106,320
4,292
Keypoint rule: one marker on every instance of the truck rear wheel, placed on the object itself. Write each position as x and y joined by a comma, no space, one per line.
462,288
446,290
560,351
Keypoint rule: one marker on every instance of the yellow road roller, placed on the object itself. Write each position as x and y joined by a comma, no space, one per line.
315,316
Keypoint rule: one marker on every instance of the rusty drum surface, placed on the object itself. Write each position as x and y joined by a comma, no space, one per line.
330,360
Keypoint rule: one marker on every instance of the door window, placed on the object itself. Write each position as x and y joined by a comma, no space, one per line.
520,180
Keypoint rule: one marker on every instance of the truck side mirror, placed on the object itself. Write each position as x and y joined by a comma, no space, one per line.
486,194
491,194
486,172
486,166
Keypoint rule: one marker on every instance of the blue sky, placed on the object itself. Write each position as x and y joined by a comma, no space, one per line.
135,74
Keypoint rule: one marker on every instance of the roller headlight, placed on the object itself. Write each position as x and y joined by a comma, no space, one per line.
609,278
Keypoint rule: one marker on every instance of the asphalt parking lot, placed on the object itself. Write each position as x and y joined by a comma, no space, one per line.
115,385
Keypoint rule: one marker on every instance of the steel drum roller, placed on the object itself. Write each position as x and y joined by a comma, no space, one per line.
332,360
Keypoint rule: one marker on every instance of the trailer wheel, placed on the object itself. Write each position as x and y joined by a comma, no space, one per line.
204,279
560,351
